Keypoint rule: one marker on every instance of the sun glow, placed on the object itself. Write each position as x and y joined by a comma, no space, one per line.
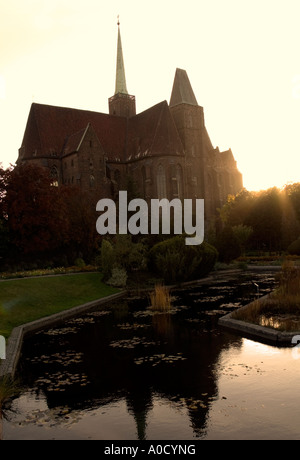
251,104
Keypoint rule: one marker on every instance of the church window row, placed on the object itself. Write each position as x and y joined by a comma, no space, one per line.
169,180
175,181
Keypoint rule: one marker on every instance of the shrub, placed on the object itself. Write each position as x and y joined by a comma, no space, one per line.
107,259
80,263
175,261
118,277
128,254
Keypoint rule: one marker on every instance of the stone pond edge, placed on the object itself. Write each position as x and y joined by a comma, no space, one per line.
255,331
9,365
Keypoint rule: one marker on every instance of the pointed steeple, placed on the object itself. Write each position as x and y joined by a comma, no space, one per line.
120,71
121,103
182,92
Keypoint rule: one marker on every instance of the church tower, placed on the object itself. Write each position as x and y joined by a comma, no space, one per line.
121,103
189,120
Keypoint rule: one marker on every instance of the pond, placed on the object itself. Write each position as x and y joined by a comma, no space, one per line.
126,373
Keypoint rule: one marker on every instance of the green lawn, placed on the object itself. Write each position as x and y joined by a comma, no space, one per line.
28,299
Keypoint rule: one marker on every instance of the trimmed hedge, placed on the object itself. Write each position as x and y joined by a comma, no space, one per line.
175,262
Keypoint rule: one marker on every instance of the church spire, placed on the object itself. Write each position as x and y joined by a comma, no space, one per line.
121,103
120,71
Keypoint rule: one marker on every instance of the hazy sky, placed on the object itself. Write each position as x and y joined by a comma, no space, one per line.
242,58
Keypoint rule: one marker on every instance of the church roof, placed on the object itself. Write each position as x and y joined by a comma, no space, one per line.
153,132
182,92
74,141
48,128
53,130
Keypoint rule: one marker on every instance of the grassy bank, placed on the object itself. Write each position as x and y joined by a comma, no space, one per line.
28,299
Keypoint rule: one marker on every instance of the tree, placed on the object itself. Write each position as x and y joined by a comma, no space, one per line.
290,225
228,245
81,238
292,191
45,221
238,208
34,209
265,219
4,178
242,233
4,238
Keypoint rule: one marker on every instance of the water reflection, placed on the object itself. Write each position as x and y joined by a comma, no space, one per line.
130,355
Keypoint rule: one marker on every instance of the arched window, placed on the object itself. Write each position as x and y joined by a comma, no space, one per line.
92,181
54,175
161,183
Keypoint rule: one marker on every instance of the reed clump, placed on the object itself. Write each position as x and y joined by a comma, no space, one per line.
8,389
289,280
249,314
160,298
281,309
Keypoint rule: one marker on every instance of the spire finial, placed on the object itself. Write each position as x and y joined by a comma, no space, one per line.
118,23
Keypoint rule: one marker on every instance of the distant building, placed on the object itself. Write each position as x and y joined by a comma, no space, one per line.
165,150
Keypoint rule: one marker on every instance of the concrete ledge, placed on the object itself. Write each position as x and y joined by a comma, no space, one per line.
254,331
8,366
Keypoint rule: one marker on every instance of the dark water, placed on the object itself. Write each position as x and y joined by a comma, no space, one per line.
127,373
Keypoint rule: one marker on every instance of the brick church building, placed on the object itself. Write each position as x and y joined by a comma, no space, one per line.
165,150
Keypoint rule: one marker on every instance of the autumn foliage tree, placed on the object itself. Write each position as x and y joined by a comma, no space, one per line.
47,221
81,238
34,210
